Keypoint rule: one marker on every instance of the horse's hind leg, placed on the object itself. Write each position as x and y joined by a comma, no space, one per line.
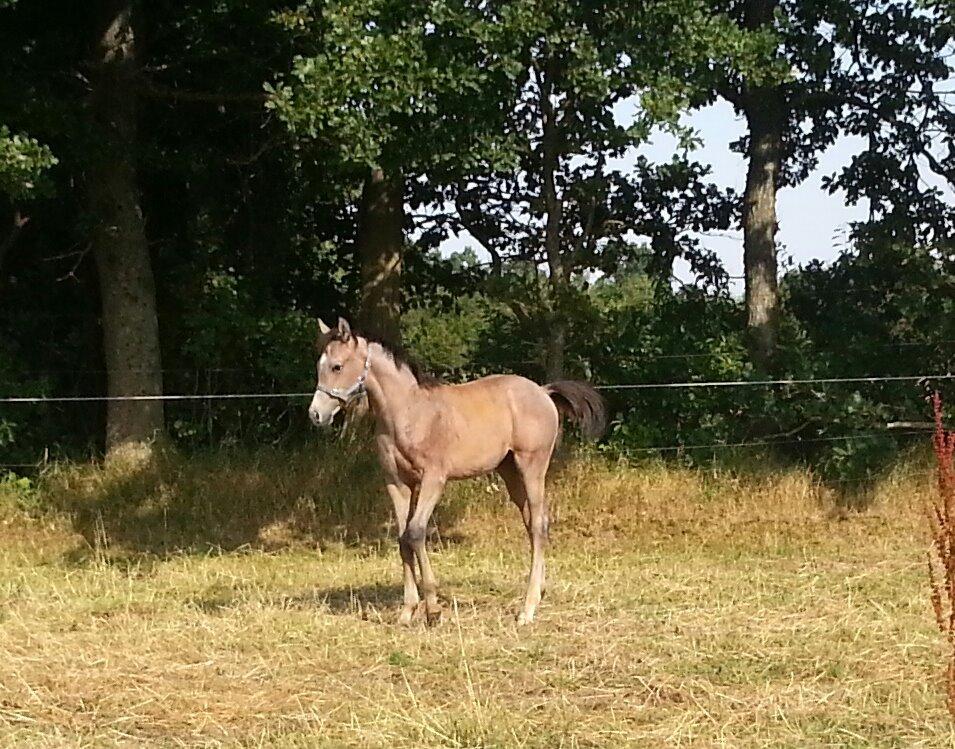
401,499
415,535
532,468
515,488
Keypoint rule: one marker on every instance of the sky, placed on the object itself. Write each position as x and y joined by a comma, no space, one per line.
812,223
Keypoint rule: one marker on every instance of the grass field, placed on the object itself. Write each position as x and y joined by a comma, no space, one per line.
250,600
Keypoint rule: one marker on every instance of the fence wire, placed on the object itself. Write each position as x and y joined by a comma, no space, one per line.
632,452
624,386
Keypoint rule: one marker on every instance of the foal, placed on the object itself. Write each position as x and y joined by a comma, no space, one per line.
428,433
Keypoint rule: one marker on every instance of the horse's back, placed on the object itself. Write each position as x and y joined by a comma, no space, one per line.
501,388
513,407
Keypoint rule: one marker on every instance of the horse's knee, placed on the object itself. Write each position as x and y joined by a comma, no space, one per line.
413,536
404,547
540,524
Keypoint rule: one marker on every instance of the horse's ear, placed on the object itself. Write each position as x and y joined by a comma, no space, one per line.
323,329
344,329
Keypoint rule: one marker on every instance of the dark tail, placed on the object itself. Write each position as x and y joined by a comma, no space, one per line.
580,403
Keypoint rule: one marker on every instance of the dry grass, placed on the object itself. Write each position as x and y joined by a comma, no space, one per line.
239,600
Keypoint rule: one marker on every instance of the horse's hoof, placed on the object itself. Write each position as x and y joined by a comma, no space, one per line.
524,618
433,615
406,615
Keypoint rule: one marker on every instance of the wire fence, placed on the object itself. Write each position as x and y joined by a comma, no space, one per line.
767,442
632,452
171,397
772,383
621,386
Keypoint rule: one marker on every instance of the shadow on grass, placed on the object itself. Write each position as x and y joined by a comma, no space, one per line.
856,496
332,493
350,600
267,499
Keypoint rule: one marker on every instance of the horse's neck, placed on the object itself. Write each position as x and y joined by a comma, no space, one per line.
390,388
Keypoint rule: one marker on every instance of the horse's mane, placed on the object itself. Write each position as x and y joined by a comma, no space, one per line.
396,351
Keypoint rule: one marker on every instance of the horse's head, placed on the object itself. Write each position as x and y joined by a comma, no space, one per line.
342,369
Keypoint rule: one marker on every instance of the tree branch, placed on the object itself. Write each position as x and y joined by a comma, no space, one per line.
158,91
938,167
726,90
479,231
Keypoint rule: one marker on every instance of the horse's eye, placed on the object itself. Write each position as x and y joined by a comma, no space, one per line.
336,368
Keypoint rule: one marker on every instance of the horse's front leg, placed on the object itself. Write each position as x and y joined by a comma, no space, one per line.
415,535
400,494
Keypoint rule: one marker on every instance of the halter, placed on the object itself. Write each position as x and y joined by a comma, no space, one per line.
347,395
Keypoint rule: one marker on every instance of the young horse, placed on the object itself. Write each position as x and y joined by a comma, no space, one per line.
428,433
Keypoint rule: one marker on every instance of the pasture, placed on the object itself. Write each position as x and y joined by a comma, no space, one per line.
250,600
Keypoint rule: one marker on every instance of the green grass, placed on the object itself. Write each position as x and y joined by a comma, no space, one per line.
250,600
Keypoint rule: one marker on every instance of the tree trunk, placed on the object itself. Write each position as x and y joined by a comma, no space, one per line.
759,237
127,290
553,207
380,246
556,342
764,110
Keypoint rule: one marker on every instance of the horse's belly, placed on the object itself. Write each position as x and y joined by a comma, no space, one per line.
474,456
458,441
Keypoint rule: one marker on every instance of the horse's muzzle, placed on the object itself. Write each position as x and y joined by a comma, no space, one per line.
322,416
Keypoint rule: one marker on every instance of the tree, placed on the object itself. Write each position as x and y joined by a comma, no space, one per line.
897,98
811,65
401,122
396,89
557,202
127,288
23,162
773,108
380,246
243,235
765,109
505,111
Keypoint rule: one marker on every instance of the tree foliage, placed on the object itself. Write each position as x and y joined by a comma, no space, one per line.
896,95
520,126
23,161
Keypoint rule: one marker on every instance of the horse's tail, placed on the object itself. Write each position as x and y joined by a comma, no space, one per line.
580,403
